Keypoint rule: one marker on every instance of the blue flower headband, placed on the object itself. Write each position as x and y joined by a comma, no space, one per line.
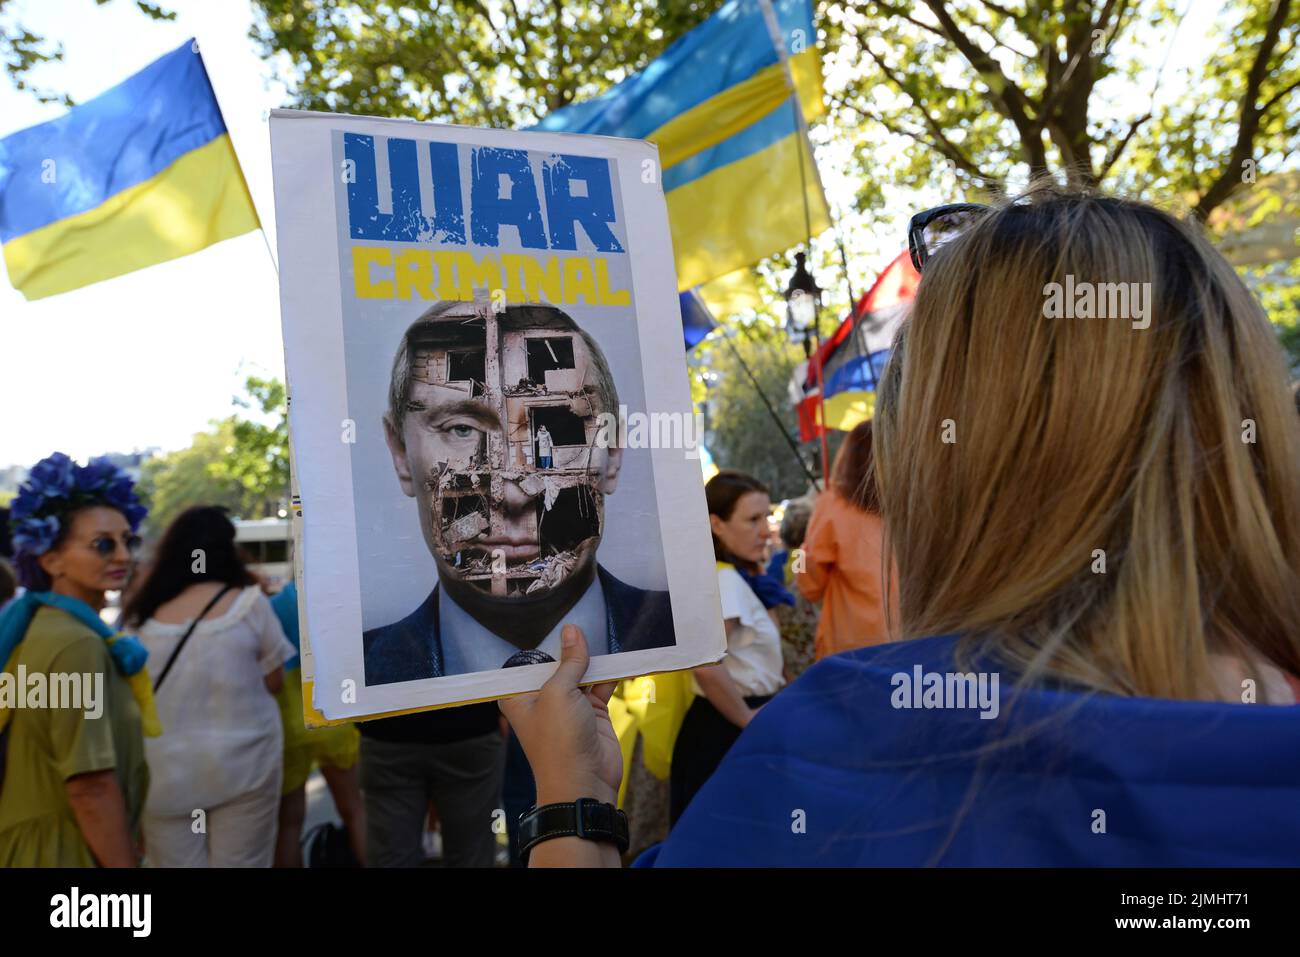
56,486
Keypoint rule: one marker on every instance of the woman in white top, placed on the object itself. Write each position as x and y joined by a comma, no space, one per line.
729,694
216,651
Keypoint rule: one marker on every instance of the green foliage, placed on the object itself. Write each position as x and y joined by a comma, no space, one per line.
239,463
947,98
173,482
464,61
22,51
988,94
258,461
740,431
1278,287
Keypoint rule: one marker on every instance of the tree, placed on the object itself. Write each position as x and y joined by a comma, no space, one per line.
239,463
951,98
258,458
22,51
986,94
171,483
991,92
465,61
740,432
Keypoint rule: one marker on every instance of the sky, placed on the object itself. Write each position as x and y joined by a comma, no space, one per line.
148,359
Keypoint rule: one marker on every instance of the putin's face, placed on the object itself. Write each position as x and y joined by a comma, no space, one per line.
467,452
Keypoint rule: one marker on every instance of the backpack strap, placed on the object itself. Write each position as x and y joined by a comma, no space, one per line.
186,637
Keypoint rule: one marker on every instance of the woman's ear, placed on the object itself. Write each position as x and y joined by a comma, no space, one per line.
716,525
51,562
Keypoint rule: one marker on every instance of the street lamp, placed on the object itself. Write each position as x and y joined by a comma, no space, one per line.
802,303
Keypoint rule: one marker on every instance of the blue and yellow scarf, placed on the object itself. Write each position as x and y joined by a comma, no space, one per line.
127,651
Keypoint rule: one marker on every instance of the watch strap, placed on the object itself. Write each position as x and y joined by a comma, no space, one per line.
586,818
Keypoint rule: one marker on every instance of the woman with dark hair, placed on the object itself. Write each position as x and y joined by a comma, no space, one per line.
73,776
728,695
843,563
218,651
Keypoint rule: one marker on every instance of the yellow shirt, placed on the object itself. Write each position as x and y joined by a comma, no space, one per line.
49,745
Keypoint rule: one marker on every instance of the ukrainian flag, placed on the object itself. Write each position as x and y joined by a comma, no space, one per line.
141,174
718,106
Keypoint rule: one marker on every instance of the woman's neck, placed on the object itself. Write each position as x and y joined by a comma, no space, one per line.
93,598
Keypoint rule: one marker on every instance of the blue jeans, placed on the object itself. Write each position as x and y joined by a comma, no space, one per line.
543,461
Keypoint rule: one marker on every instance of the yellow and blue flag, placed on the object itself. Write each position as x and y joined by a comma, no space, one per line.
718,106
141,174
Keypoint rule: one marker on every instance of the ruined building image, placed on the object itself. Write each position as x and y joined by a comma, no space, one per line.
536,476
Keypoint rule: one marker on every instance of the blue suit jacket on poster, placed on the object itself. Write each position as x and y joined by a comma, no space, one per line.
830,773
412,648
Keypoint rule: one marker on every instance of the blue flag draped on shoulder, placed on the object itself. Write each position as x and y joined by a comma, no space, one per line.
718,106
878,757
143,173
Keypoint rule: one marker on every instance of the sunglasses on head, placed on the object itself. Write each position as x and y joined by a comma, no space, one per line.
106,545
929,230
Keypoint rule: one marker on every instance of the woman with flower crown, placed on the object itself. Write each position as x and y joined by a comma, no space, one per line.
73,779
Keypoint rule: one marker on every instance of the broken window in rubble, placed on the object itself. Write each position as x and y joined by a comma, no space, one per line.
546,354
468,365
570,521
464,518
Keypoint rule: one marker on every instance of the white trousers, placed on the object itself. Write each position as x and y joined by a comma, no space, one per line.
239,833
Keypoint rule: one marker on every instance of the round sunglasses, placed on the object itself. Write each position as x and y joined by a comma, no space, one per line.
105,545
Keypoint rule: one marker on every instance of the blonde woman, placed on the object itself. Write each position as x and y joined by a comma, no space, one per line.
1089,468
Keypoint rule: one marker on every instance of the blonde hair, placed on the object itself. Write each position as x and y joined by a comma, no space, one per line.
1088,500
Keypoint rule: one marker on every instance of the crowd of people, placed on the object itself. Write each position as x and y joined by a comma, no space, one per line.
204,757
225,785
1072,506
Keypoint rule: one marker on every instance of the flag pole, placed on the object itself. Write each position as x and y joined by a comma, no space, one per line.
266,240
801,122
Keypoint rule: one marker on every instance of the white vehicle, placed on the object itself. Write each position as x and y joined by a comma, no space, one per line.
265,543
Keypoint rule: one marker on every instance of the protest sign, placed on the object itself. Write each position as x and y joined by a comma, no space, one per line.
490,417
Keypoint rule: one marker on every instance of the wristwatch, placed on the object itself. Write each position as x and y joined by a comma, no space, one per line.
586,818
